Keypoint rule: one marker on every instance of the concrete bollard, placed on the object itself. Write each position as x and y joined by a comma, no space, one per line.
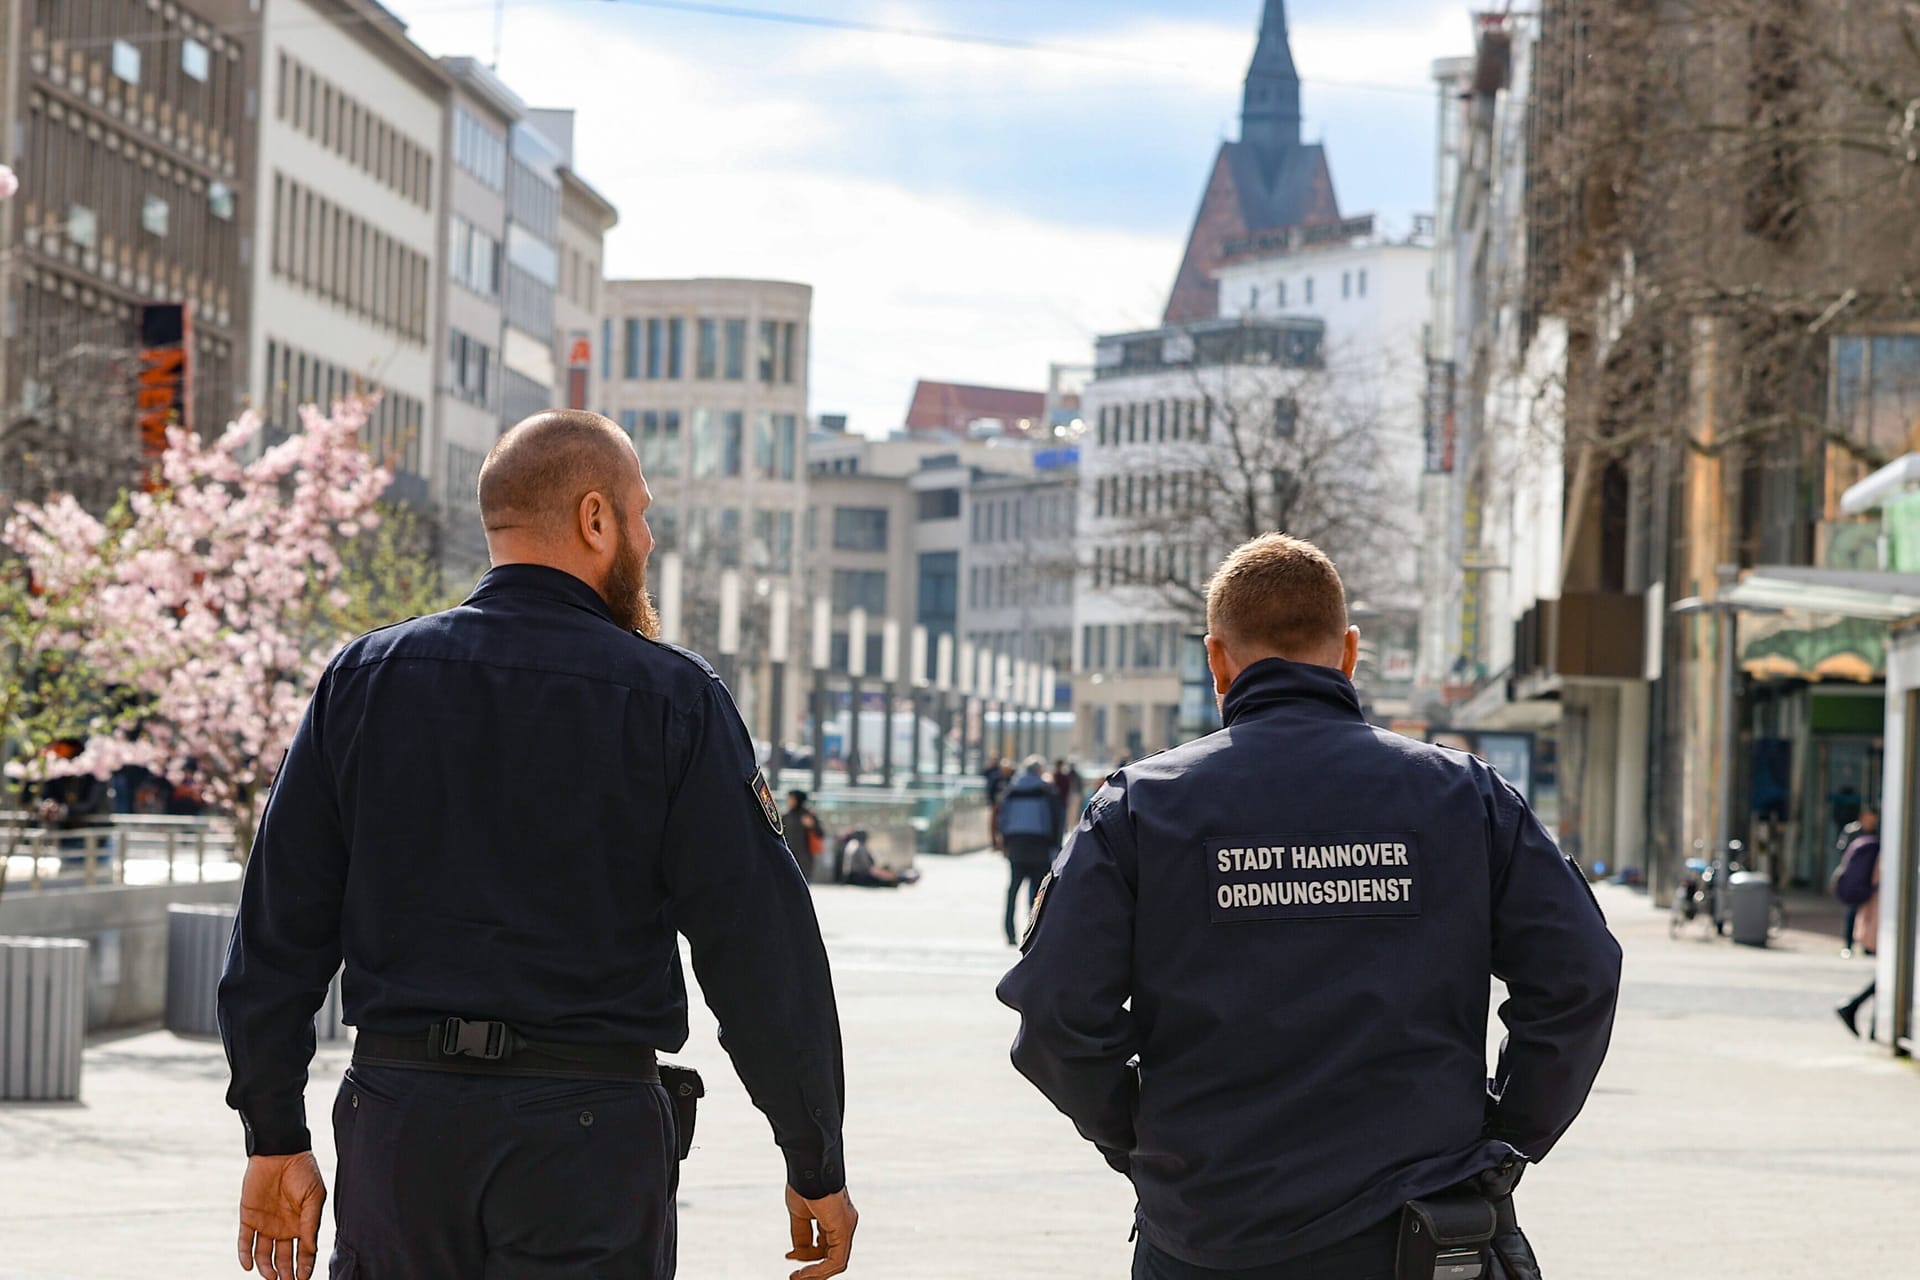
43,1018
197,937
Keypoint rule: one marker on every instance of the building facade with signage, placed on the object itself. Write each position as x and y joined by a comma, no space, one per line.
122,258
348,229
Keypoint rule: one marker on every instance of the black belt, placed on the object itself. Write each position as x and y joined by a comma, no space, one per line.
495,1049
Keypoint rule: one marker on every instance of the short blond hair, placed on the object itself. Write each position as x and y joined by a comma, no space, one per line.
1277,595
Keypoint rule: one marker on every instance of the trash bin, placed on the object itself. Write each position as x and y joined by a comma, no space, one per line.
1752,904
43,1018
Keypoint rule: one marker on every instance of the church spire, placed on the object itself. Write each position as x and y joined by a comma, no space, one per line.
1270,108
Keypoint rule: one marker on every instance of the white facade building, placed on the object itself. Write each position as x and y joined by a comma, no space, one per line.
347,227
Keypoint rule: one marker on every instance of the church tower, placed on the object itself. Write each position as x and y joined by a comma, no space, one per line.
1270,104
1266,180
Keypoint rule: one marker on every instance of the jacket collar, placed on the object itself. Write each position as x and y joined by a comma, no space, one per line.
1319,691
542,581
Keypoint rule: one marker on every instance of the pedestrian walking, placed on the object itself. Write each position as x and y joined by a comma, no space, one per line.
1258,977
499,816
1028,825
1856,884
1066,780
994,778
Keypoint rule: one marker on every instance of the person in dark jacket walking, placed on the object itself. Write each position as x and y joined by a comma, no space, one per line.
1028,825
1257,980
500,816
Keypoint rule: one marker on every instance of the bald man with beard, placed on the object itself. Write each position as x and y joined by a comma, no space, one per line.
499,817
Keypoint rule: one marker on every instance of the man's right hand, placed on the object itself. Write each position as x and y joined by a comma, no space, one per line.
822,1233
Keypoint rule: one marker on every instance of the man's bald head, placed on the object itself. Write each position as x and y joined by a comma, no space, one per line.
537,473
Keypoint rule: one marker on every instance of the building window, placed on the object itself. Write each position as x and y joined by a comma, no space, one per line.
660,442
1346,284
1363,282
630,366
196,60
126,62
469,369
860,589
706,444
707,360
1253,299
736,350
787,427
1309,290
860,528
630,423
606,350
939,504
676,342
787,332
733,430
769,350
656,347
1280,294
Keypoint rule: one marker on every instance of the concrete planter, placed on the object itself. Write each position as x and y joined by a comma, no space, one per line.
43,1018
197,938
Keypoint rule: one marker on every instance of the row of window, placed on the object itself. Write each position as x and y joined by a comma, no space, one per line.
654,348
337,121
1006,586
472,370
1352,284
719,445
1014,519
157,227
1130,564
860,528
711,537
168,74
294,378
349,261
1131,646
478,150
1145,422
1177,494
473,258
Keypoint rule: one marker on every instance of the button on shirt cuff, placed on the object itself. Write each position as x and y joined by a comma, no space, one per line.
813,1175
276,1129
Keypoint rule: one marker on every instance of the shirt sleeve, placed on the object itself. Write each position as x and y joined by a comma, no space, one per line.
286,944
741,901
1561,965
1077,1039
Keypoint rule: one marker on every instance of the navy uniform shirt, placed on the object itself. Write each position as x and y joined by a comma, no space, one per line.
1290,925
505,812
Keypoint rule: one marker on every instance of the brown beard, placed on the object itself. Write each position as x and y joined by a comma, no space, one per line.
626,592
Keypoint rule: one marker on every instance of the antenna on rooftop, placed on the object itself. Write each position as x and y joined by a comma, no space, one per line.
499,21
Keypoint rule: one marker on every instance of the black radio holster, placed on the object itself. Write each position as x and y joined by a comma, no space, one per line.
684,1089
1445,1237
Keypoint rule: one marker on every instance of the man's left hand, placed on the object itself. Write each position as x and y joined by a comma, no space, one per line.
280,1203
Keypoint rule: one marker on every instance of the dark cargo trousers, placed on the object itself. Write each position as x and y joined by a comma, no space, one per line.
502,1178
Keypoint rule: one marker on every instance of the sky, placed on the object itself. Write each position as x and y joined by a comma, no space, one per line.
967,210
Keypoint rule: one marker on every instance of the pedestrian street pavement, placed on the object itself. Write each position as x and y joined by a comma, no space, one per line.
1737,1130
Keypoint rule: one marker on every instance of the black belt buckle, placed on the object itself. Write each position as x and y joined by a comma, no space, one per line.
484,1040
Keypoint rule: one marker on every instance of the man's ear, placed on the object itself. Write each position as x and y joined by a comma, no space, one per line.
1220,664
595,520
1350,652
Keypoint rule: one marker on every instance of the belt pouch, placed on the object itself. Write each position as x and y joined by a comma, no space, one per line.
684,1089
1445,1238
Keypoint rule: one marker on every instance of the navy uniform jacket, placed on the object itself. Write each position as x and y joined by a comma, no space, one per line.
1303,911
506,811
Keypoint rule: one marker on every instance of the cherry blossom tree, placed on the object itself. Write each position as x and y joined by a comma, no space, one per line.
216,602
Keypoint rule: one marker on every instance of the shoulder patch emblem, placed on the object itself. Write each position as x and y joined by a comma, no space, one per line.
1039,902
764,794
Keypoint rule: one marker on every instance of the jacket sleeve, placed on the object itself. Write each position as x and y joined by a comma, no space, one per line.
286,944
741,901
1561,966
1077,1038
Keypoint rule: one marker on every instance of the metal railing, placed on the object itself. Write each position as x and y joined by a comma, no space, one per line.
97,850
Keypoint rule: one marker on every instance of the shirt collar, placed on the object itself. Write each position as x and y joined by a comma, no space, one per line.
1272,681
540,580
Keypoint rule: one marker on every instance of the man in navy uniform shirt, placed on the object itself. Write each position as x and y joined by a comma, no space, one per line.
1258,980
500,816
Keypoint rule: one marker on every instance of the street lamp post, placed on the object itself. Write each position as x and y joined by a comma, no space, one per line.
943,684
890,677
779,640
821,654
916,681
1003,691
856,669
729,645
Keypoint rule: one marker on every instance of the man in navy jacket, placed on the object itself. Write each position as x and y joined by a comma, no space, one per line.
1258,978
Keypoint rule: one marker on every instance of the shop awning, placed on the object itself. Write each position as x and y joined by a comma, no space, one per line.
1853,593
